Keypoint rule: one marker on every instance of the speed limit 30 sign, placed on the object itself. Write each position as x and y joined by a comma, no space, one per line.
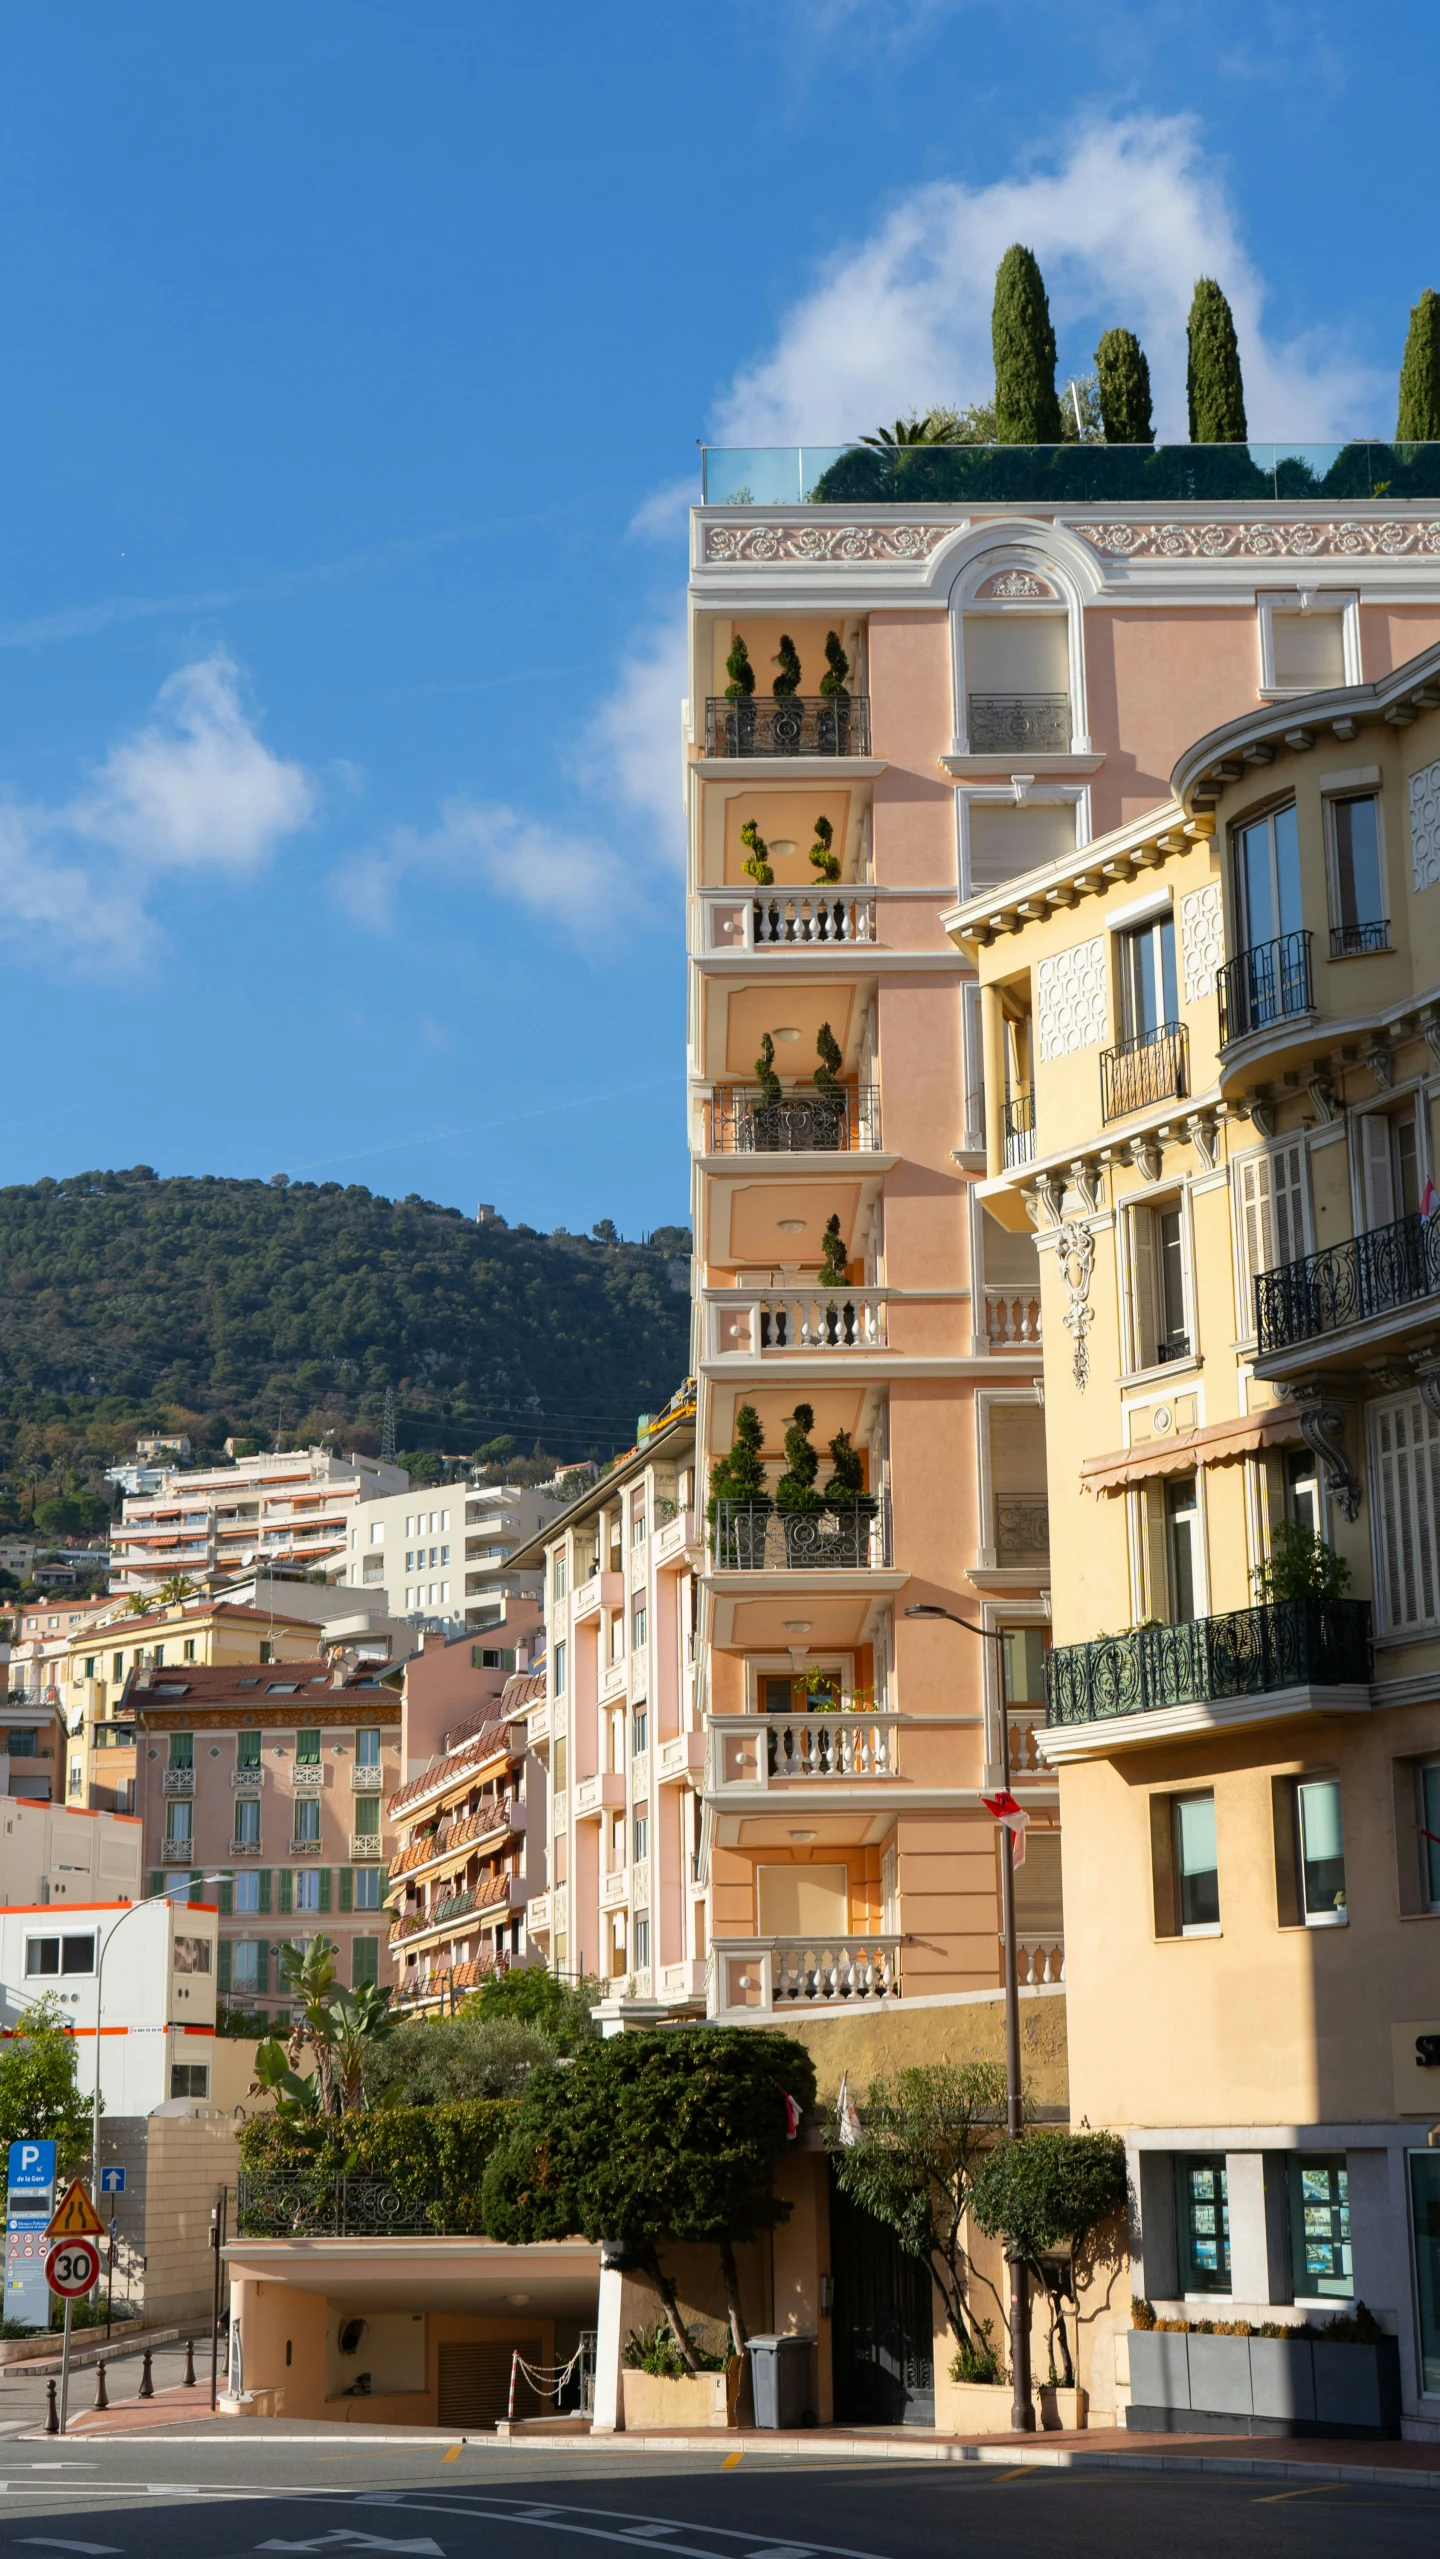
72,2267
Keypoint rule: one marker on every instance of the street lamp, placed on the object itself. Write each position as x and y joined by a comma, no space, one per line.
1022,2410
104,1948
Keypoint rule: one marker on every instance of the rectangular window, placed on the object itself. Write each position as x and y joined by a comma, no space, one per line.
1322,1852
246,1889
182,1750
60,1954
617,1636
642,1834
1270,1219
1197,1869
307,1819
192,1954
1202,2223
1405,1510
245,1966
307,1889
24,1741
1427,1785
1319,2199
1302,1490
1425,2217
189,2079
1267,880
367,1817
307,1750
247,1825
377,1532
1181,1501
560,1579
178,1823
637,1529
1358,921
77,1776
557,1672
1389,1166
1148,997
364,1961
642,1938
189,1648
367,1746
247,1750
639,1627
367,1888
89,1672
639,1731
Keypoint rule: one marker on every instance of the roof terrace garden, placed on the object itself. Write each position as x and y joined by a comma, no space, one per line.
1066,474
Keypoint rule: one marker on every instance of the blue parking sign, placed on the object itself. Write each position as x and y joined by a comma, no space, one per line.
32,2167
112,2181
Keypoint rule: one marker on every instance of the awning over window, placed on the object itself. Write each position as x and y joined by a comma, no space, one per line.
1215,1444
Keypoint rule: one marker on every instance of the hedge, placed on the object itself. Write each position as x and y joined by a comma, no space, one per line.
430,2155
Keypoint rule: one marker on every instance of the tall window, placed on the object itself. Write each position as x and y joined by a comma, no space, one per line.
367,1819
1148,995
364,1961
1267,877
307,1750
560,1578
1202,2223
1160,1319
642,1939
249,1966
639,1731
1271,1204
182,1750
367,1746
639,1627
1182,1536
367,1888
1405,1513
307,1820
1302,1490
178,1815
1357,895
246,1891
1322,1851
307,1888
247,1821
1197,1871
557,1672
247,1750
642,1834
1319,2198
1389,1166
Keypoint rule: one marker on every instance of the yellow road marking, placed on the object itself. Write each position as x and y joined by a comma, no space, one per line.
1326,2488
732,2460
453,2454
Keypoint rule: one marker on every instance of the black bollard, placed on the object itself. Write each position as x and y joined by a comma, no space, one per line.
147,2386
101,2395
52,2413
189,2363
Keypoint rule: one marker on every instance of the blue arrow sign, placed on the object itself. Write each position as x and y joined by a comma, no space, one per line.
112,2181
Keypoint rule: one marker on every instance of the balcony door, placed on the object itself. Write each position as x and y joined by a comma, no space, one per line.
1148,996
1267,878
1388,1167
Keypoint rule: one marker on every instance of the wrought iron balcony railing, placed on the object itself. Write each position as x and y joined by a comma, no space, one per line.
752,1539
1351,941
306,2204
1141,1071
788,724
1347,1283
1266,984
846,1119
1024,723
1018,1114
1252,1652
1022,1527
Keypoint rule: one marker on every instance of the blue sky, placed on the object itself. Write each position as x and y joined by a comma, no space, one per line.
354,362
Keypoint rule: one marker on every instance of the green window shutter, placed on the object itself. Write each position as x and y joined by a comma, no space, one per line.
287,1889
384,1881
157,1883
222,1965
262,1967
265,1902
347,1887
197,1881
324,1887
364,1961
227,1897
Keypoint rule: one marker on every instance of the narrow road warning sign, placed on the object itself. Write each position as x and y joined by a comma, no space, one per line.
75,2216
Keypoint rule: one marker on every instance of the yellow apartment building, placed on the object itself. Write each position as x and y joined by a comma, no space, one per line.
1212,1051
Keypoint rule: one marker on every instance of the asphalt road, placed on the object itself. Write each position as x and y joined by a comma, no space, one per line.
137,2497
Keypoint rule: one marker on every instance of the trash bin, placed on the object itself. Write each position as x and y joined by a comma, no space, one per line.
780,2379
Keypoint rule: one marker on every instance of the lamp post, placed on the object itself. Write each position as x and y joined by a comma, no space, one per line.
104,1948
1022,2409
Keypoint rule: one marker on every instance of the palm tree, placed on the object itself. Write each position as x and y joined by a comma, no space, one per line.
937,426
179,1587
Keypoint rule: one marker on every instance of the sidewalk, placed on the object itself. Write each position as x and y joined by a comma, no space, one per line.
137,2416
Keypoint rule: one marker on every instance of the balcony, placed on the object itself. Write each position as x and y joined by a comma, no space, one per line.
747,1539
1039,1960
788,724
250,1777
1252,1652
615,1888
1019,724
1357,941
364,1844
366,1774
1022,1528
758,1750
594,1795
1018,1127
767,1974
177,1852
1012,1319
1259,987
1345,1284
306,1776
845,1120
787,920
177,1781
820,475
244,1848
1139,1072
681,1757
745,1325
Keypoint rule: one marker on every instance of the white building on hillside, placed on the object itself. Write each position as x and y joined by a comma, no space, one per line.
212,1522
442,1555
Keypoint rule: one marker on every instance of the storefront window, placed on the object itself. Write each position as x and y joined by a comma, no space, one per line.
1425,2204
1320,2228
1202,2224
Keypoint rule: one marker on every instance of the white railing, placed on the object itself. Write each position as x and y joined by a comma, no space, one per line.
177,1852
366,1773
614,1887
771,1973
1012,1318
753,1750
247,1776
818,918
745,1324
306,1775
1027,1737
365,1843
1040,1959
178,1781
244,1848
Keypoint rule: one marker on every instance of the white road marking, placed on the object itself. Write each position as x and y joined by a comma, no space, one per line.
423,2549
93,2549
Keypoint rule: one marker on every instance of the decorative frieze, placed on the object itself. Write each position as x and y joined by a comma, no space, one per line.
1425,827
1202,939
743,543
1343,539
1070,999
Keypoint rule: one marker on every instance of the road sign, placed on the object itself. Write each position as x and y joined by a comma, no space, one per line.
73,2267
112,2181
75,2216
32,2166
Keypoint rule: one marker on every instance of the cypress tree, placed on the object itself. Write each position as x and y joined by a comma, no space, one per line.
1026,408
1419,421
1214,391
1124,379
788,661
740,672
831,1056
796,1488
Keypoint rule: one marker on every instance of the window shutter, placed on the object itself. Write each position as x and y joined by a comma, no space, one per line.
227,1897
1287,1174
287,1890
1377,1169
222,1965
1142,1259
324,1887
384,1881
1406,1493
265,1888
364,1961
347,1887
157,1884
262,1967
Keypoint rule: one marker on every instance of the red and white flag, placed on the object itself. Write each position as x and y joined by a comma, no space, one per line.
793,2116
1011,1817
845,2116
1430,1200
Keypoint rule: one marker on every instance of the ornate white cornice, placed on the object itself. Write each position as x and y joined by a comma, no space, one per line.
1342,539
738,543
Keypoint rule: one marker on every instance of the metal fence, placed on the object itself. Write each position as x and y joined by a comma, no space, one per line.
298,2204
788,724
1288,1643
755,1538
1347,1283
1266,984
1146,1069
746,1122
1005,723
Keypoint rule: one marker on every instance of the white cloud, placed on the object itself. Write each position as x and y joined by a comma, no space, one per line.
1122,225
663,515
637,732
194,791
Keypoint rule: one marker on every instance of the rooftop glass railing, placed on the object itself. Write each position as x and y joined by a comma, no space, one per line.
1066,474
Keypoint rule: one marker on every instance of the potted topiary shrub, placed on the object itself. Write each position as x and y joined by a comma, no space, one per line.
827,1116
768,1120
758,867
833,1260
798,1500
789,717
823,858
834,720
848,1502
740,720
739,1507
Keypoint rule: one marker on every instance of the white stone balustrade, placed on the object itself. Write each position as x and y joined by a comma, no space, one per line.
819,918
759,1750
766,1974
1040,1959
1012,1319
750,1324
1027,1746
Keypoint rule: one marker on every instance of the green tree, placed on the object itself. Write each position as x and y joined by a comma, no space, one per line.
40,2094
795,1493
740,672
1123,376
1214,392
1026,408
531,1996
739,1476
823,856
758,866
771,1089
788,679
438,2061
1300,1565
922,2140
833,1254
831,1056
1419,420
652,2140
1048,2192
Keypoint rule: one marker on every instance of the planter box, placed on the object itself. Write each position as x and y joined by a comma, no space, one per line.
711,2399
983,2408
1262,2386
